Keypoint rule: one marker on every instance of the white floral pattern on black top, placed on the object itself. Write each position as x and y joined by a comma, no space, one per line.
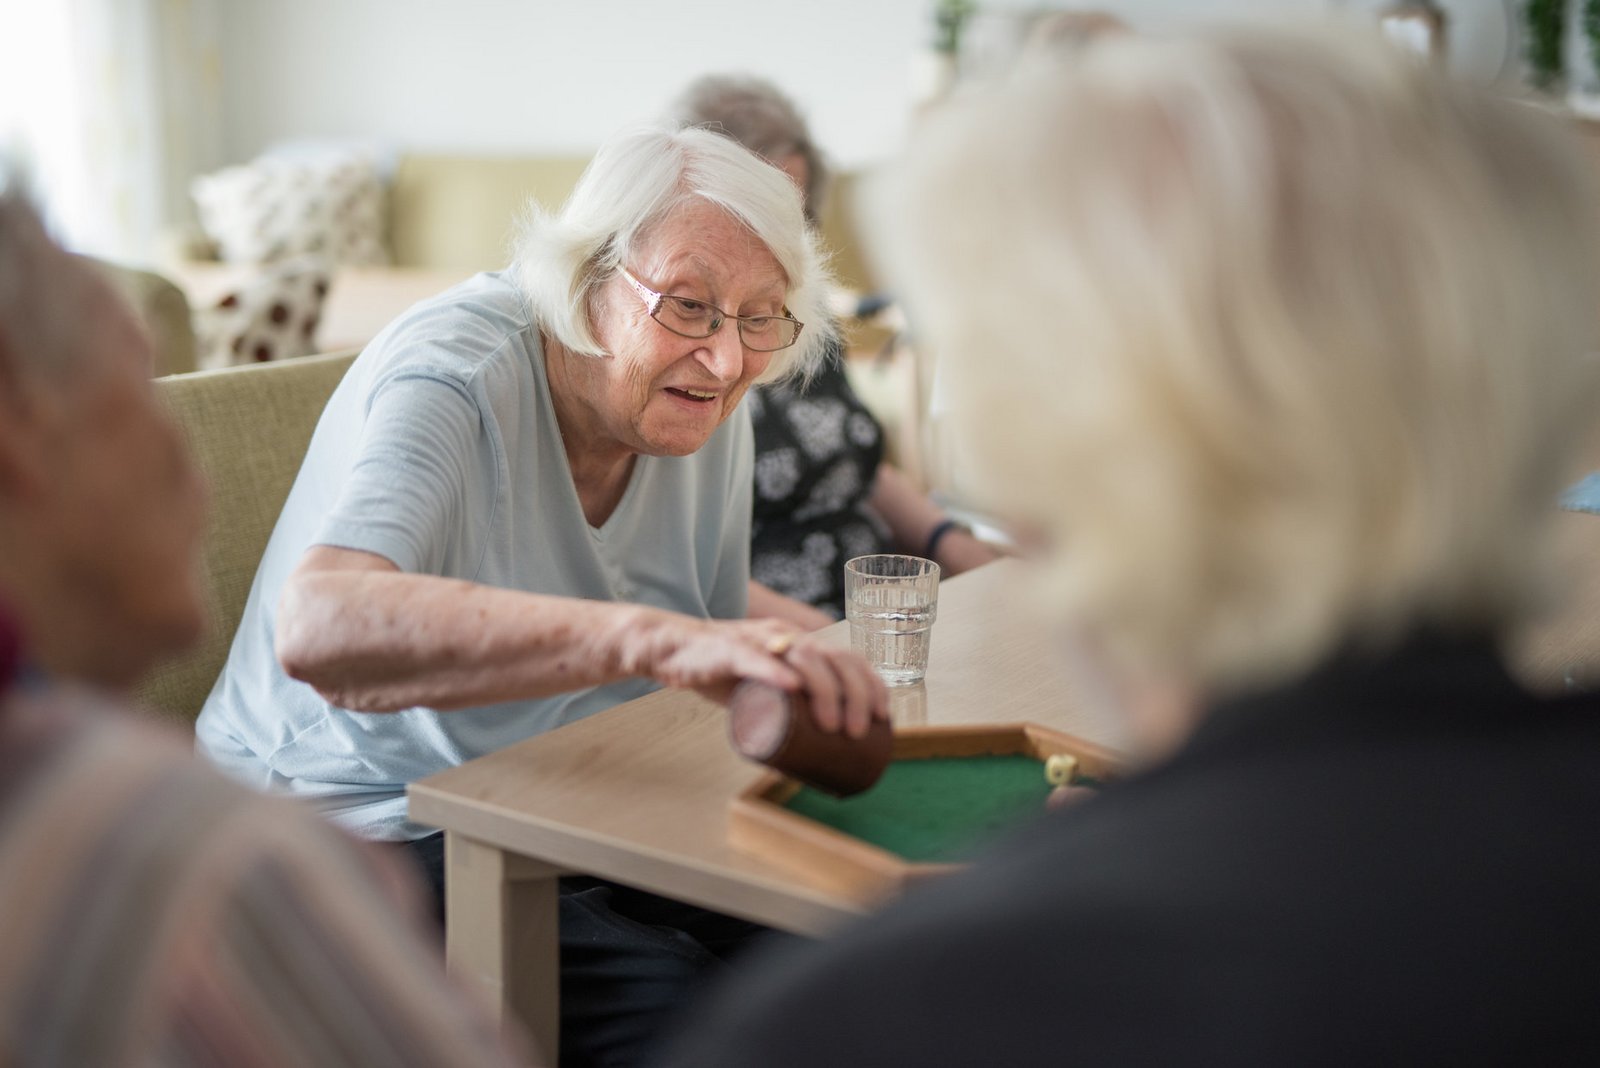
817,453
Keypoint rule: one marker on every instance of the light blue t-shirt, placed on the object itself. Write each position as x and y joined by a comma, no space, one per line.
440,451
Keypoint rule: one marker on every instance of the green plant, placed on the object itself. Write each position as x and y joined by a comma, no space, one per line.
1591,30
1546,22
949,16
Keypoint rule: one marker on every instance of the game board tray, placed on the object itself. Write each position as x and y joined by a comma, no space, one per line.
969,779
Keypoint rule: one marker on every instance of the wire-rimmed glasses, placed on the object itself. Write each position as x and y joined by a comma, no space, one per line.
688,317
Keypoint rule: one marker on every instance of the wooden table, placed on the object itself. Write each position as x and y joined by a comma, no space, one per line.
639,794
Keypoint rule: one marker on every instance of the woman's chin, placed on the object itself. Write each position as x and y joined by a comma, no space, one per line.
678,437
676,445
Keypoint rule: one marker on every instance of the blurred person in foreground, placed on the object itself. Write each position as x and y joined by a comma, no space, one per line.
154,912
529,501
823,491
1286,342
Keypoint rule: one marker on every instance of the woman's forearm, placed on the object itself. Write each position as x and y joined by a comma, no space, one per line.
371,638
380,640
767,603
912,517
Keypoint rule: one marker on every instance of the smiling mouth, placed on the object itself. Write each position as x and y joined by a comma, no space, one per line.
701,396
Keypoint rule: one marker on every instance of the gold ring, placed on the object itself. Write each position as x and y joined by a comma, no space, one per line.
779,645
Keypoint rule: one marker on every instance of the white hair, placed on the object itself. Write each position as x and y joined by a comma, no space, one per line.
1282,333
634,182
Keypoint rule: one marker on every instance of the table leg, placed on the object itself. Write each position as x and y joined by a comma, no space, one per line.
502,934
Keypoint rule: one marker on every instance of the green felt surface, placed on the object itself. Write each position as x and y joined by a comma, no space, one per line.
935,809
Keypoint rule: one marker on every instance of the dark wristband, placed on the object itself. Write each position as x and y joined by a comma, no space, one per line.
936,535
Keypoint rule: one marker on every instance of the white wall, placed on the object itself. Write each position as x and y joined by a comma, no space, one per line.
527,76
517,76
1478,45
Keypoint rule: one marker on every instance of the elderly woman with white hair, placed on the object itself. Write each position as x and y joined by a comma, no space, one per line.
528,501
823,490
1285,342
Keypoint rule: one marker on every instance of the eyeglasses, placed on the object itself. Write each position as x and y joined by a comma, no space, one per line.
695,318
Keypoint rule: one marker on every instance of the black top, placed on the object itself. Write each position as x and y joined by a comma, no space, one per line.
817,453
1392,863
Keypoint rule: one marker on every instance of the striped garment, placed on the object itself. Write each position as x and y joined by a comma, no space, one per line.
152,912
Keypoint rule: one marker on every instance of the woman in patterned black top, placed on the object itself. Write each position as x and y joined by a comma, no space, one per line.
818,451
823,492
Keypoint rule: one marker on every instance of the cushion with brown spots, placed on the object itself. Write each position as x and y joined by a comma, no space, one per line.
273,316
274,208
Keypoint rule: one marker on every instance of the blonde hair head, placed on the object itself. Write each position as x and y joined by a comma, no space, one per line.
1283,334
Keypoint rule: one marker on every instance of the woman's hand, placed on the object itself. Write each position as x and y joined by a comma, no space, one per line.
712,657
960,550
1069,795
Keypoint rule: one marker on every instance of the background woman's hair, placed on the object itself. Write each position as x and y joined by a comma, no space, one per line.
758,115
634,183
1283,334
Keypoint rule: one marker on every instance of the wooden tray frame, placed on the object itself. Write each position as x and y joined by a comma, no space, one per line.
760,824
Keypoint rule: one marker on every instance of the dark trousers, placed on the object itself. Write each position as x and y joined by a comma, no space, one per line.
630,961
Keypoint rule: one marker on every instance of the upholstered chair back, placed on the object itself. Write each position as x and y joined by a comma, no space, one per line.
162,309
248,428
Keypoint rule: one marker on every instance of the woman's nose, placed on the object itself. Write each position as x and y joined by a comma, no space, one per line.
723,353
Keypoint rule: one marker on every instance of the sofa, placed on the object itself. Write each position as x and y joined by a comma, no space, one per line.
448,217
162,308
459,212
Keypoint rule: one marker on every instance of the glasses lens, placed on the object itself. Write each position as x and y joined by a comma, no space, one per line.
691,318
767,333
696,318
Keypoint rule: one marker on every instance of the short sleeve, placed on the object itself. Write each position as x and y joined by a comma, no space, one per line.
405,497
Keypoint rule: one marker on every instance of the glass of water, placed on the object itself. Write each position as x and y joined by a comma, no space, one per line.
890,602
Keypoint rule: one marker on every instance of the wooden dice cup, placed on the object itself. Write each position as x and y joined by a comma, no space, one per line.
775,728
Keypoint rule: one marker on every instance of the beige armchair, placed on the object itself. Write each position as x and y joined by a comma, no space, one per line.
248,429
163,309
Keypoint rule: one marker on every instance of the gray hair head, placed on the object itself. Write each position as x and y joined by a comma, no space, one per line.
634,183
758,115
